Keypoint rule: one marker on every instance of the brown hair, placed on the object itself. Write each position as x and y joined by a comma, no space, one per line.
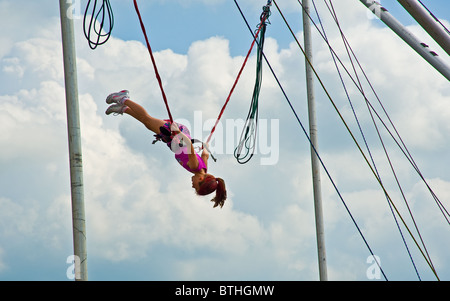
210,184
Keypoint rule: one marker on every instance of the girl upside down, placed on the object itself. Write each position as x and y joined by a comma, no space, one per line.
178,139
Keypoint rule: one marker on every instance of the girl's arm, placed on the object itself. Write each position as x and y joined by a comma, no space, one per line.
205,156
193,161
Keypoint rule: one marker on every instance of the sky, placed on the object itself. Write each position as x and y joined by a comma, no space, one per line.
143,219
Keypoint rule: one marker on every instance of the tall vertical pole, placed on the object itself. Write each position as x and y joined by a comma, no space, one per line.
73,125
315,145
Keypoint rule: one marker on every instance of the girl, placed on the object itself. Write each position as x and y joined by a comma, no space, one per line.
178,139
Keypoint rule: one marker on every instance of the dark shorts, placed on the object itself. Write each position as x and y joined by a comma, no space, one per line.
182,128
165,134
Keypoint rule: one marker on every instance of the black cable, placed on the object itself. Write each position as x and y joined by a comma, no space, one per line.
381,120
347,46
101,23
312,145
401,145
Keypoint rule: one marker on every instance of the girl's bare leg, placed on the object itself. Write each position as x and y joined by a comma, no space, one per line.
137,111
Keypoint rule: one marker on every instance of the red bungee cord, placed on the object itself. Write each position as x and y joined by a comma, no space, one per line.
159,78
153,61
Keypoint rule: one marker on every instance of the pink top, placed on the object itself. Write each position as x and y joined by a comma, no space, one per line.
181,153
183,159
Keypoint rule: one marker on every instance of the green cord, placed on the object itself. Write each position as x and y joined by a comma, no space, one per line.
249,132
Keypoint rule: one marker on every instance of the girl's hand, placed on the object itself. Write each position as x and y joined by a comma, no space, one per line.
205,148
174,128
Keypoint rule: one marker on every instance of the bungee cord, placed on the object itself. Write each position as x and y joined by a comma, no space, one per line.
262,25
261,28
155,68
98,30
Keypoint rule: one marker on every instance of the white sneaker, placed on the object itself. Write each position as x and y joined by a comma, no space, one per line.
118,97
116,108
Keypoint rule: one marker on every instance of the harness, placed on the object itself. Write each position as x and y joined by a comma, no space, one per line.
166,136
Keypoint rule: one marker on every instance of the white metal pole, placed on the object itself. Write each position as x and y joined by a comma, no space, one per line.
423,17
420,47
73,125
320,233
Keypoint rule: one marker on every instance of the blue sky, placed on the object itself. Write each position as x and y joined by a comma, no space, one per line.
221,18
143,220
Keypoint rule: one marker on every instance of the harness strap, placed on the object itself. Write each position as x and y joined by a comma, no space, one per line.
166,137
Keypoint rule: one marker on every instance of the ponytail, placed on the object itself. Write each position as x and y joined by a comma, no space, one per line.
221,193
211,184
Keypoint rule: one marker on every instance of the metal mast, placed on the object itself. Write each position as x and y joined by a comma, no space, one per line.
73,125
424,18
314,143
420,47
